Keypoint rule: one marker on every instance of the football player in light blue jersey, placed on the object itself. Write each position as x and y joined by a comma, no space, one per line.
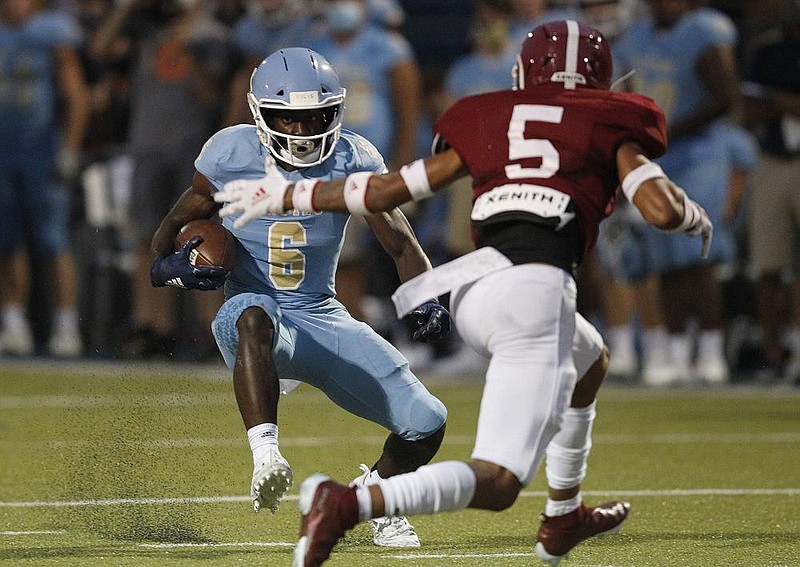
683,57
44,110
280,318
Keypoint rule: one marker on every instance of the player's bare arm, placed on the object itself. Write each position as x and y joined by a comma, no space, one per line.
662,203
659,201
387,191
195,203
395,234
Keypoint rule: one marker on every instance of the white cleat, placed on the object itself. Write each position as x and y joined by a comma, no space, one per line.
65,343
395,531
712,371
17,341
272,477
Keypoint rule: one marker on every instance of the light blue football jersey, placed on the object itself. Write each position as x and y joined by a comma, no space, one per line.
363,67
664,60
476,73
290,257
285,265
28,89
258,36
665,65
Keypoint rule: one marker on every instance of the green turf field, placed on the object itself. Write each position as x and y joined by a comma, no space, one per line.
128,466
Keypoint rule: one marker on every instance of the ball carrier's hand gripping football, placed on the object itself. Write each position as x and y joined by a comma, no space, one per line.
176,270
254,198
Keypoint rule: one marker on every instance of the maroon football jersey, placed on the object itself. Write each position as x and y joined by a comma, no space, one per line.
548,154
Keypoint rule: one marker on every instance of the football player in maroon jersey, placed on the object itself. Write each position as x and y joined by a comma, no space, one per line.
546,158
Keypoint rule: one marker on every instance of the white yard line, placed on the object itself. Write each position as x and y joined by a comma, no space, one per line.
457,555
538,494
220,544
32,532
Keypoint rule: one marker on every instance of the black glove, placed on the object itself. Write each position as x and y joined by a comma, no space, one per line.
175,270
432,322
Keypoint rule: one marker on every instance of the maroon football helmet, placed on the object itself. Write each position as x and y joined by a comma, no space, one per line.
564,51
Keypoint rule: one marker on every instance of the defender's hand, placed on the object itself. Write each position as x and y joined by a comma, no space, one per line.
706,232
432,320
254,198
701,226
176,270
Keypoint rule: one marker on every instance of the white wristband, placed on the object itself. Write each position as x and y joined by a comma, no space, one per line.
416,180
635,178
303,195
355,192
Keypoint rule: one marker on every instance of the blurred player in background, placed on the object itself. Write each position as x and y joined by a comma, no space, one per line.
550,156
179,64
44,109
280,318
772,109
683,57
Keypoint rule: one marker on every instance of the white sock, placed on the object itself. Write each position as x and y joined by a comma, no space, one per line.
568,451
364,503
680,349
654,343
710,345
261,436
14,317
441,487
561,507
65,319
620,338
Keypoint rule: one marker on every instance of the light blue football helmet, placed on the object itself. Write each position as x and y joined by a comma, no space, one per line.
297,78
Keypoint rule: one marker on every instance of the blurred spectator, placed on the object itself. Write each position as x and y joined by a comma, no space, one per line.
623,258
684,58
227,12
630,304
380,73
439,33
378,68
610,17
386,13
531,13
487,67
180,68
267,26
102,240
772,90
44,107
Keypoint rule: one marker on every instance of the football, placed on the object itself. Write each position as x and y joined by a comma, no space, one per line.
218,247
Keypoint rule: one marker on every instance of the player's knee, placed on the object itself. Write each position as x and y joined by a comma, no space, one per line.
255,325
424,415
497,487
430,416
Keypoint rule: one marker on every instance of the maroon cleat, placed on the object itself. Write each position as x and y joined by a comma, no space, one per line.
329,510
559,534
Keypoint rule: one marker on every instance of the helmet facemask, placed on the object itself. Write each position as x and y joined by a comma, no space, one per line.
294,149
